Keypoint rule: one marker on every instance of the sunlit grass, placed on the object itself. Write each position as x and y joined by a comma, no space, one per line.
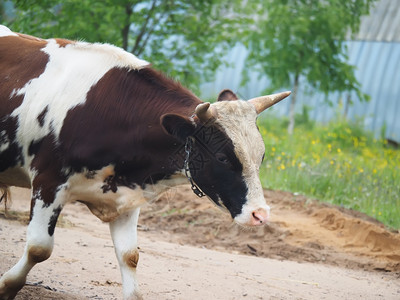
337,162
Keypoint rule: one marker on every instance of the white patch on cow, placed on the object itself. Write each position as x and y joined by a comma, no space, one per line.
42,216
5,142
115,55
5,31
69,74
4,146
238,120
37,237
153,192
124,235
108,205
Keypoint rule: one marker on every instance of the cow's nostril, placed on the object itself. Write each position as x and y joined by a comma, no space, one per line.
260,216
255,216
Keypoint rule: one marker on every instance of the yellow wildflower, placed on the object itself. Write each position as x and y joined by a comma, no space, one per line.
355,142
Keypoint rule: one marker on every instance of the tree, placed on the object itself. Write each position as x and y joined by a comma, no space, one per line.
185,39
305,38
3,13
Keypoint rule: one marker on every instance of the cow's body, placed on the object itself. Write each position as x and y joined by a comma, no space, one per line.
74,116
93,123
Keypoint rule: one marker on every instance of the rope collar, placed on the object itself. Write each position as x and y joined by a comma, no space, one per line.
188,149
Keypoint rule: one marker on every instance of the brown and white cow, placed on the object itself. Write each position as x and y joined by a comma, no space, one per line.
93,123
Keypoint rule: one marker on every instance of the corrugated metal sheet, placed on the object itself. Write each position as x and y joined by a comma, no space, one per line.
382,24
377,64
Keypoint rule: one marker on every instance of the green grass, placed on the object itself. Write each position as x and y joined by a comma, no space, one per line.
338,162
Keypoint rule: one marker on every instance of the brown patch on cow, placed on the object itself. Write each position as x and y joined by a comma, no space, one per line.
122,126
41,117
63,42
90,174
47,183
38,254
109,185
21,61
131,258
108,171
12,155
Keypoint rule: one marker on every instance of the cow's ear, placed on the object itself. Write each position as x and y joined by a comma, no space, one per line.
227,95
178,126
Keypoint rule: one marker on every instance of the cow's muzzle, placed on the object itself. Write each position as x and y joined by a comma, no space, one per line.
257,217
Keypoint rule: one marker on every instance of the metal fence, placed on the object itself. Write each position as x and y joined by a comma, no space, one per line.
376,55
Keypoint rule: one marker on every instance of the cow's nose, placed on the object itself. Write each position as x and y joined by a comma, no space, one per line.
259,217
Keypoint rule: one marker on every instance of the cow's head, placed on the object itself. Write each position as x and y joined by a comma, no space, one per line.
226,153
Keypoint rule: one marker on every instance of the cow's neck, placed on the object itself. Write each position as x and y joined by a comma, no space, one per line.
158,159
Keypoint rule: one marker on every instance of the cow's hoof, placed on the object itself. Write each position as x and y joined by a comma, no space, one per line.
135,296
8,293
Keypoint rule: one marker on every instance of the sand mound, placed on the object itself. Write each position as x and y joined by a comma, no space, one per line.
369,238
300,230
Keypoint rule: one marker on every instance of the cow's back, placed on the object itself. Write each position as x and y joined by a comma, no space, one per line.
41,81
20,61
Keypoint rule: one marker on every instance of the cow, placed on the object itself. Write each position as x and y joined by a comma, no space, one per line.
93,123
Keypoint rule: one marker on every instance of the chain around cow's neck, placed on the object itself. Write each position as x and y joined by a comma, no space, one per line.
188,149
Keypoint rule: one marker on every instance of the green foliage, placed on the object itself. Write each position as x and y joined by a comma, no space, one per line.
305,37
4,12
304,119
185,39
339,163
298,40
1,13
188,39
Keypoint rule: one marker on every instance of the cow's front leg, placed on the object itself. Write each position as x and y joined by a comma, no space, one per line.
124,234
39,242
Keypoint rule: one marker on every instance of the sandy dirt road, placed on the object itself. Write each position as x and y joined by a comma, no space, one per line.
302,254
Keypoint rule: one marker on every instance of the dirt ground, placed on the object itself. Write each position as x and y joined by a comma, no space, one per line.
190,249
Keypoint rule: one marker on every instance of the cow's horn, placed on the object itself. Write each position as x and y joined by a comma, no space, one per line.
263,102
205,113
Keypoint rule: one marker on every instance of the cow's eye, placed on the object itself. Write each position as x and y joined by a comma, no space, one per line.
222,158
